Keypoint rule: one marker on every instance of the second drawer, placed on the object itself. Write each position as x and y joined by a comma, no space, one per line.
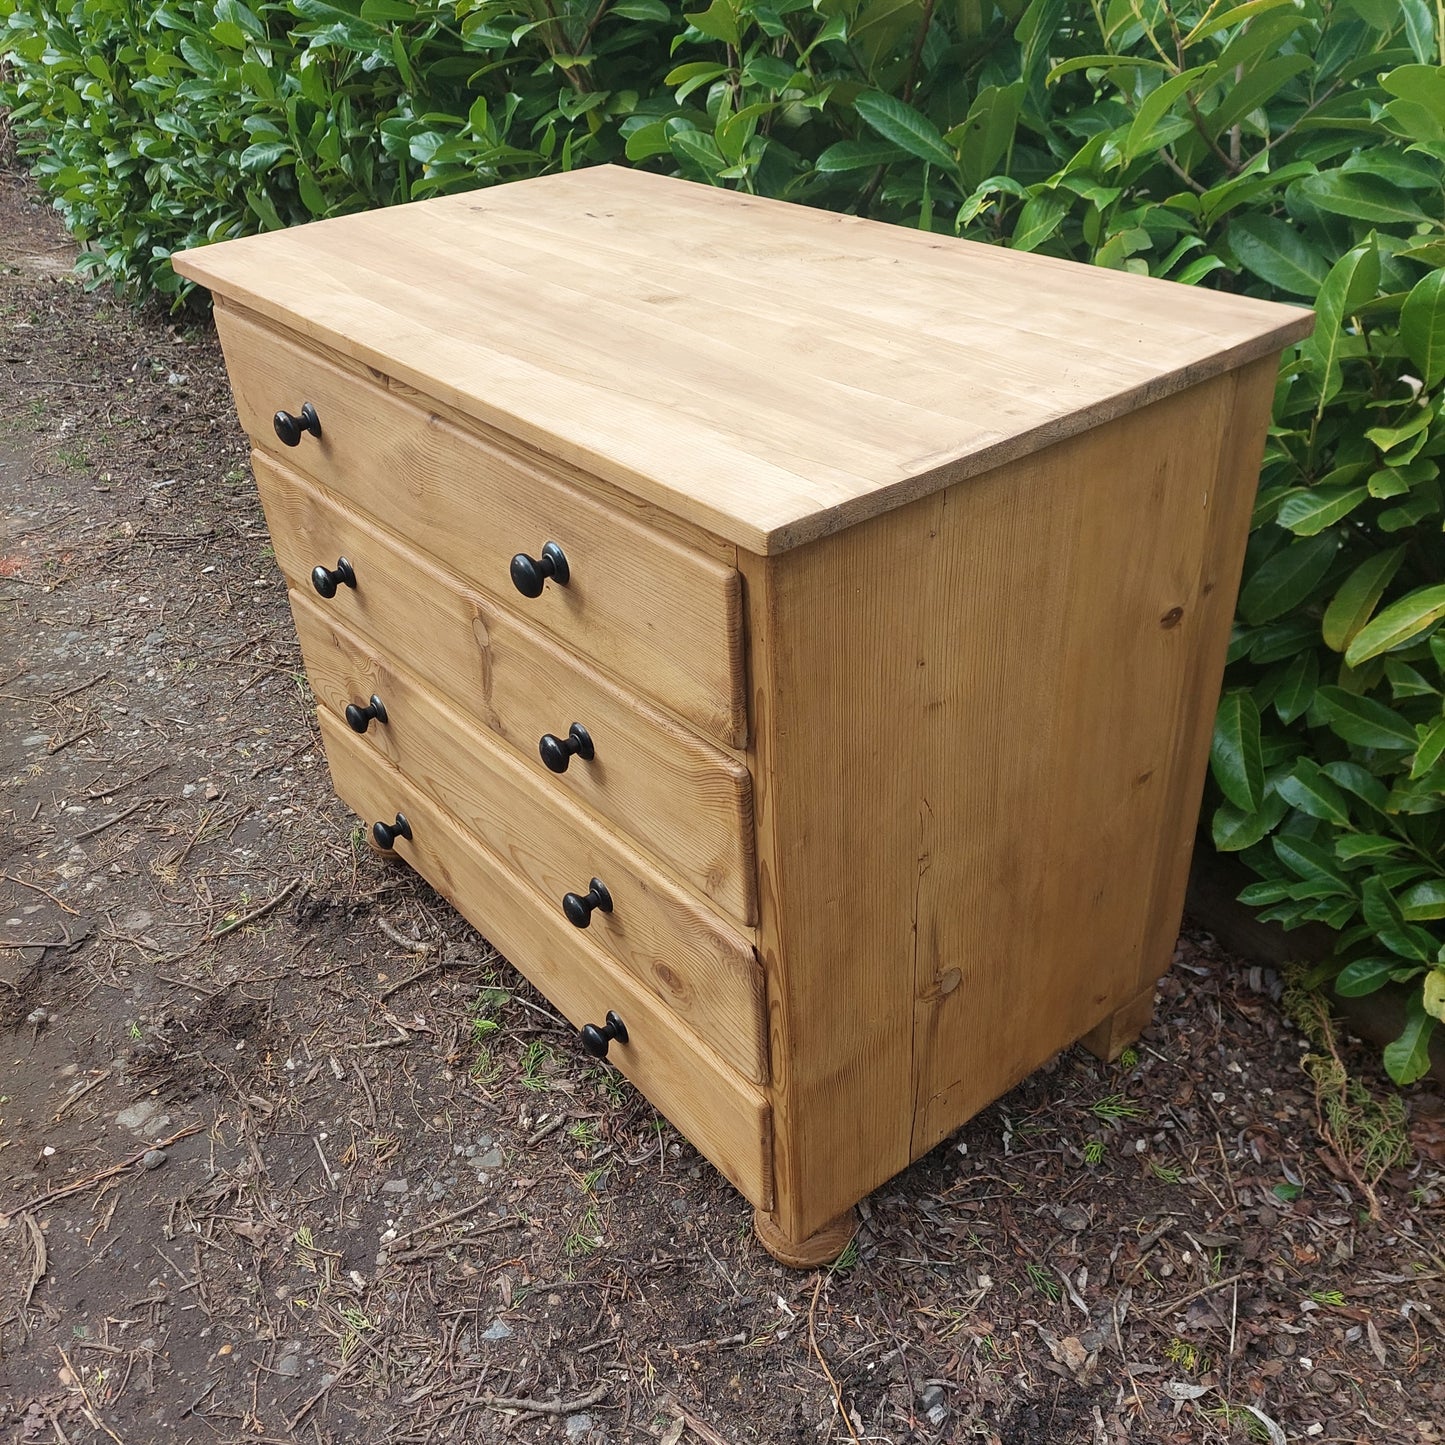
686,956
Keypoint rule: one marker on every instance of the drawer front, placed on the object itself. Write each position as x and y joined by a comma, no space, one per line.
727,1119
688,802
673,945
665,619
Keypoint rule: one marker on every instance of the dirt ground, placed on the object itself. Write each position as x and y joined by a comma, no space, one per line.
288,1154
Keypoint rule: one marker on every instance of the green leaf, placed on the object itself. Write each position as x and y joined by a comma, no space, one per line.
1357,598
1422,327
1287,578
1279,254
905,127
857,155
1353,280
1397,624
1309,790
1364,721
1310,862
1432,994
1408,1057
1431,747
1038,220
718,22
1306,514
1359,781
1425,901
1234,830
1143,133
1419,28
1234,755
1364,975
1363,198
1296,690
1366,845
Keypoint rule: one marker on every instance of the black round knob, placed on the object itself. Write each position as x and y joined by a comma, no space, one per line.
529,573
557,752
326,582
291,428
386,834
578,907
358,719
595,1040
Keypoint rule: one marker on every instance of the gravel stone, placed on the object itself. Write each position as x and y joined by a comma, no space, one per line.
153,1158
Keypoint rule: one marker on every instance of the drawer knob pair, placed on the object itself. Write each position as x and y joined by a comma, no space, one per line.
529,573
595,1040
557,752
358,718
292,428
327,581
578,907
386,834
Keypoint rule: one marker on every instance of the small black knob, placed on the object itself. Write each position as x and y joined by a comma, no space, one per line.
326,582
528,574
290,428
579,909
386,834
595,1040
557,752
358,719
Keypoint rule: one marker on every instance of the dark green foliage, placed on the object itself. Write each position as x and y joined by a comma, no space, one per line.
1285,148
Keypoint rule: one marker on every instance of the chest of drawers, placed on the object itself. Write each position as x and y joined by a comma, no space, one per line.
793,641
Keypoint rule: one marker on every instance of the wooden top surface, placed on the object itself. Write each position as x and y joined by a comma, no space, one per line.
768,371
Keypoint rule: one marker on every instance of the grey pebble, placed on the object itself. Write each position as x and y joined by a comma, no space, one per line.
578,1426
931,1397
492,1159
153,1158
937,1415
288,1365
1073,1218
497,1330
394,1186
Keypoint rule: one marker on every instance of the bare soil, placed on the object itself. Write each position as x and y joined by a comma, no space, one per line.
288,1154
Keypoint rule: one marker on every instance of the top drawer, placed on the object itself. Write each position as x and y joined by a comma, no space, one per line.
661,617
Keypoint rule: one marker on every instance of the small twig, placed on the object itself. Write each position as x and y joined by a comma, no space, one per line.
452,1218
1204,1289
700,1428
85,732
111,822
818,1355
128,783
440,966
546,1407
256,913
91,1180
412,945
78,1095
79,687
89,1410
36,888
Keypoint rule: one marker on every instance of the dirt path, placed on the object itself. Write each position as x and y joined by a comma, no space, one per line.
286,1153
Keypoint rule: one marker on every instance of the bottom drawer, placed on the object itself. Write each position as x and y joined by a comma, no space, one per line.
725,1117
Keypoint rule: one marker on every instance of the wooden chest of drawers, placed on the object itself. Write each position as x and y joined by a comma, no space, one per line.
792,640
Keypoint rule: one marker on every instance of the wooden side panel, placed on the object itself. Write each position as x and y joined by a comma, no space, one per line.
664,618
687,802
980,733
726,1118
674,946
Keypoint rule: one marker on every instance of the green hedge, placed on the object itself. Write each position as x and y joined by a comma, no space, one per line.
1284,148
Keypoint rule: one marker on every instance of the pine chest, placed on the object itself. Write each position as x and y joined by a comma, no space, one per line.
792,640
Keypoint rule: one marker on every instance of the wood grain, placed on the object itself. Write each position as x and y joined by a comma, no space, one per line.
1020,674
767,371
679,950
725,1117
686,803
638,604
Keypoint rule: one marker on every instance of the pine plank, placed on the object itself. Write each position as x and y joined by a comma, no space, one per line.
766,371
